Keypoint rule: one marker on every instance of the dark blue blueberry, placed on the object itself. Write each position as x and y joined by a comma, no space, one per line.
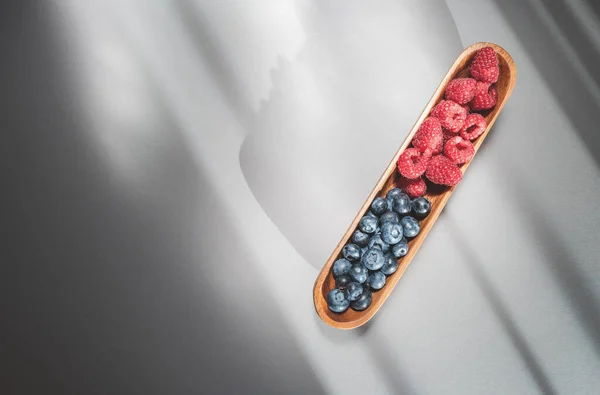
359,273
391,233
373,259
411,226
368,224
351,252
336,301
376,280
360,239
341,267
401,204
342,281
363,302
392,193
353,291
421,207
400,249
389,216
390,265
379,206
377,242
370,214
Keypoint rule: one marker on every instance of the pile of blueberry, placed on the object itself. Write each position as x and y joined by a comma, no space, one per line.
376,245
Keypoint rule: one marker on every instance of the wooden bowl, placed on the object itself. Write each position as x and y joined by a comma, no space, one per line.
325,282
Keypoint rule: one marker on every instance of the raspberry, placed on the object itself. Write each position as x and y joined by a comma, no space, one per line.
466,107
443,171
461,90
413,188
474,127
485,66
429,136
485,98
459,150
412,164
451,115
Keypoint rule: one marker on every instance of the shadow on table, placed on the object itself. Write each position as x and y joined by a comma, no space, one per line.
567,57
112,285
501,311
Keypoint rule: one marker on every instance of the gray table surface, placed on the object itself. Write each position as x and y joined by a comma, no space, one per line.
183,169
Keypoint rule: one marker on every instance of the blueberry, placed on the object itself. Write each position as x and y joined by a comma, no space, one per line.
389,216
377,242
421,207
341,267
351,252
379,206
392,193
400,249
376,281
363,302
336,301
368,224
401,204
353,291
342,281
391,233
373,259
411,226
390,265
358,273
360,239
370,214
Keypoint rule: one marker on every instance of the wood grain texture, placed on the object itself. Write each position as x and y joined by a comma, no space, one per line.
325,282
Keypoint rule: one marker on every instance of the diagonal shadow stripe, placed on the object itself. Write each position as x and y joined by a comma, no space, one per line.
560,264
375,344
571,92
501,312
195,22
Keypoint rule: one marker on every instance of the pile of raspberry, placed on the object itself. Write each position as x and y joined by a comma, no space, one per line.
443,142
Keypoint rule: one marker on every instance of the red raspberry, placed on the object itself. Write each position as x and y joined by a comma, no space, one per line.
451,115
485,66
474,127
412,164
466,107
429,136
461,90
443,171
459,150
413,188
485,98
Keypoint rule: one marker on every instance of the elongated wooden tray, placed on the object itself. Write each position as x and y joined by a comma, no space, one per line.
325,282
